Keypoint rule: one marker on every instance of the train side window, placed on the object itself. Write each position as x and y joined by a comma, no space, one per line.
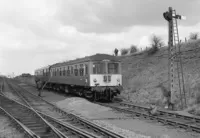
64,71
86,69
68,71
72,70
57,73
47,72
60,72
81,70
76,71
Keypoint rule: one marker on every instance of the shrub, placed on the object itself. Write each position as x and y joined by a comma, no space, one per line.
156,41
152,50
198,98
133,49
194,36
124,51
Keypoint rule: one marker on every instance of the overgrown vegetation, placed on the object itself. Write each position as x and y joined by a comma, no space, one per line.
194,36
133,49
156,43
124,51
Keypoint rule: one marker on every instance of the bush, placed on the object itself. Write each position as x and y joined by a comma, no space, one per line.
194,36
133,49
156,41
198,98
152,50
124,51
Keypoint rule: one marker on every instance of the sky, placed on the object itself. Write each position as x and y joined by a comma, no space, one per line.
36,33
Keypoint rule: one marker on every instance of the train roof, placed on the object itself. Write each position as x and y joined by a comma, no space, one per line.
39,69
97,57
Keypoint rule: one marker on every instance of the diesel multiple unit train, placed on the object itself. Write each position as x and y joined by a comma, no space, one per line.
94,77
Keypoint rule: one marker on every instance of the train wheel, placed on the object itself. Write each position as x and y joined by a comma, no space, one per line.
110,96
94,97
81,94
66,89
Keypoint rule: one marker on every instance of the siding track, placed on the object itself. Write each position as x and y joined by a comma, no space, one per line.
58,118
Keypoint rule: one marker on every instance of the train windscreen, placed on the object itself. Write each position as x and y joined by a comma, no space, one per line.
99,68
113,68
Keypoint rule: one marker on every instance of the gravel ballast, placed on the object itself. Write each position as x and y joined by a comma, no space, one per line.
95,111
7,130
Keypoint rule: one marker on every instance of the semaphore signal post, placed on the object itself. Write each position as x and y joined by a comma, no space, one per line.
174,56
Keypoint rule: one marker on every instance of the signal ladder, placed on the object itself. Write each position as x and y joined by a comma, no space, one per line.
176,57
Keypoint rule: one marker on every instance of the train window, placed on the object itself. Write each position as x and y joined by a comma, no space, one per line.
60,72
68,72
86,69
76,72
72,70
64,72
81,70
47,72
113,68
99,68
57,72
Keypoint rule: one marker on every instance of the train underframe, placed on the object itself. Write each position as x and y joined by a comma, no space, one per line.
97,93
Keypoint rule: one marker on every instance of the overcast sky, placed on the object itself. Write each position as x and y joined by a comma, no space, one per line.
36,33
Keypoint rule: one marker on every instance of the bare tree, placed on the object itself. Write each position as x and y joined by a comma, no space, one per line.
194,36
156,41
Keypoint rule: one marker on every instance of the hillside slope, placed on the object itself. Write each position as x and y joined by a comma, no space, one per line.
142,73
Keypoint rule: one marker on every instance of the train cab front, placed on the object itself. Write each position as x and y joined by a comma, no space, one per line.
106,80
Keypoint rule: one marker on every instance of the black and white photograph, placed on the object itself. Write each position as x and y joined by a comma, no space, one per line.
99,69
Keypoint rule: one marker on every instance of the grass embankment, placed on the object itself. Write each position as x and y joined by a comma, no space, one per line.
143,73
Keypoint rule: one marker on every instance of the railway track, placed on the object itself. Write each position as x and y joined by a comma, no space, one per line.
23,129
167,118
30,119
57,115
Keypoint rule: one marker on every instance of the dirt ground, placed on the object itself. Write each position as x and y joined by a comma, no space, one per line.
7,130
104,115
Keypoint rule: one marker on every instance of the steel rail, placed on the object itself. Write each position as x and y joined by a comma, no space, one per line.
61,126
67,129
26,117
20,126
167,118
72,118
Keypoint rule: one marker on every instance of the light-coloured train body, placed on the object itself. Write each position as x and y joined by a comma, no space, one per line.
95,77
